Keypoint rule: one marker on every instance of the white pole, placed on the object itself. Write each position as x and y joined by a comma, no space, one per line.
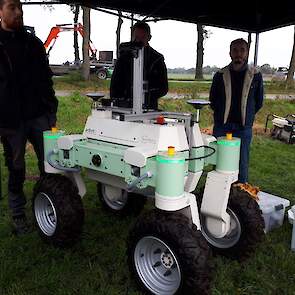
138,92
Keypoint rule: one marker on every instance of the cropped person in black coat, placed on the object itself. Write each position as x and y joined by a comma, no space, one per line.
27,102
155,72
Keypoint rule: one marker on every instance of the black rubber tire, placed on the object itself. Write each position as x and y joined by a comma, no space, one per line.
101,74
252,225
134,205
187,243
69,209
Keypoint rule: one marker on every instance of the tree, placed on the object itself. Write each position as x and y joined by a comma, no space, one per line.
118,31
292,65
266,69
76,10
203,34
132,23
200,52
249,40
86,39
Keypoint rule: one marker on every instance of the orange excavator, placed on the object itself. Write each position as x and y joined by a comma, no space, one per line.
103,67
54,32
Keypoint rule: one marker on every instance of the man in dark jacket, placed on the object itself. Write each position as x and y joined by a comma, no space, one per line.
236,95
27,102
155,72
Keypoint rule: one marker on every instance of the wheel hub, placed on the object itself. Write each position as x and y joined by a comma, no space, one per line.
230,239
115,198
167,260
157,266
45,214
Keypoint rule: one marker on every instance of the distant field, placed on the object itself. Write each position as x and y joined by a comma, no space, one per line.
186,77
178,83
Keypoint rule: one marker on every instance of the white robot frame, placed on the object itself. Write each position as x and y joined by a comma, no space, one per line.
125,151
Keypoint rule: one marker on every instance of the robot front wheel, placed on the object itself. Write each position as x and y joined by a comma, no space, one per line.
168,255
58,210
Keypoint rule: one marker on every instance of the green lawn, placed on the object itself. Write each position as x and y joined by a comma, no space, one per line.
177,84
97,264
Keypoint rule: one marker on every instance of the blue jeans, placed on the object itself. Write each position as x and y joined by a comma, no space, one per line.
245,134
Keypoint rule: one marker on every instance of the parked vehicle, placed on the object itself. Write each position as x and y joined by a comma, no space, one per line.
281,73
102,67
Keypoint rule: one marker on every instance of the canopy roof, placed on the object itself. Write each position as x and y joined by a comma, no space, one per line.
250,15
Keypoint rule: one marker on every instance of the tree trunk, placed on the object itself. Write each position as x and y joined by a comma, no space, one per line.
76,44
132,23
200,52
292,65
249,40
118,31
86,39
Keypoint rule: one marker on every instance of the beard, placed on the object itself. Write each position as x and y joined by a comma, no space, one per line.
16,24
238,62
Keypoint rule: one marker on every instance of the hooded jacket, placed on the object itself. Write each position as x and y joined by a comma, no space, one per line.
26,87
251,98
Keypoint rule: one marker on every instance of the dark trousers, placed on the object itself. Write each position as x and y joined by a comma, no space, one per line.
245,134
14,146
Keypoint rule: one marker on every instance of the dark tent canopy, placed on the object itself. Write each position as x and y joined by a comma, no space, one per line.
251,15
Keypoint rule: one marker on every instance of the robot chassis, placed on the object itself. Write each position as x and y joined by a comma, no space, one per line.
132,155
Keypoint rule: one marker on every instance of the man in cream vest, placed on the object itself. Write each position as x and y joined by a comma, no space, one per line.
236,95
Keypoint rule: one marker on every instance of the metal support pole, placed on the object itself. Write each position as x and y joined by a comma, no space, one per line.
256,49
138,92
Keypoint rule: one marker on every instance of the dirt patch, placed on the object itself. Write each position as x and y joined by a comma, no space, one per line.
29,148
258,129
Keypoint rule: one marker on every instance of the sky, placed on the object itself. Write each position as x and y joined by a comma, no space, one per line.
175,40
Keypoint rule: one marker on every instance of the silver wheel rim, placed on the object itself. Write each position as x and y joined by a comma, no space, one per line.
157,266
101,75
45,214
116,198
230,239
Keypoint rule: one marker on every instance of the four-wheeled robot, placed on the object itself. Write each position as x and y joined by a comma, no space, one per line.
136,153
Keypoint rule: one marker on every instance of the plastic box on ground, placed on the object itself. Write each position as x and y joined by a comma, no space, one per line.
273,210
291,217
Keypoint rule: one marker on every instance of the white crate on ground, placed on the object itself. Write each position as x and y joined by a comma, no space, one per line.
273,210
291,217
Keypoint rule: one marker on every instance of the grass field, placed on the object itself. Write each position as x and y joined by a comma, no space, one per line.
97,264
183,85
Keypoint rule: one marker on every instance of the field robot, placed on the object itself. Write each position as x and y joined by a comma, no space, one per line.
134,154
